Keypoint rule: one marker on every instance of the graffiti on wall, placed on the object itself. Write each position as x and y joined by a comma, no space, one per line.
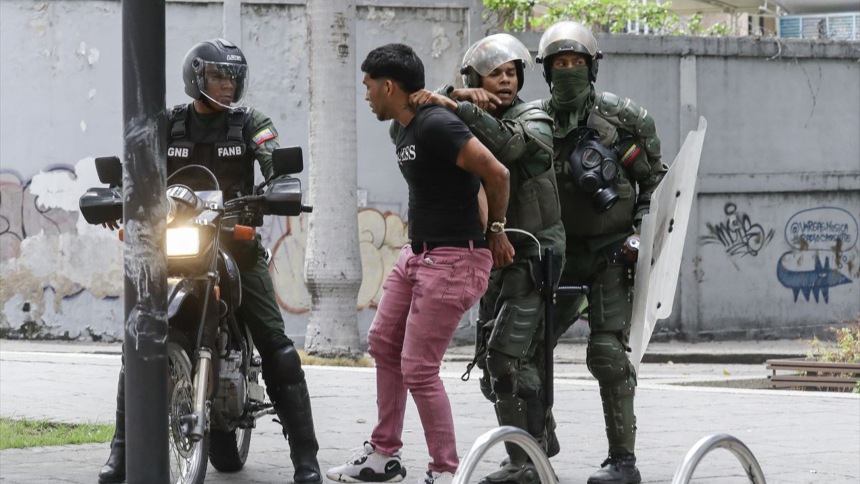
49,253
737,233
381,236
21,214
816,234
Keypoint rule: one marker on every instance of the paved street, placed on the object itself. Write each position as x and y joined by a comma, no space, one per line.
797,437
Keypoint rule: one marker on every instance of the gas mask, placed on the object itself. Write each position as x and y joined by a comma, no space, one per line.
593,168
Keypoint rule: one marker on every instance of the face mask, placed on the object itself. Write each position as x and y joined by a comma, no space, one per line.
571,88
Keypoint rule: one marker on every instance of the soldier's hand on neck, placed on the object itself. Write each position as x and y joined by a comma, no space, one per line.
479,97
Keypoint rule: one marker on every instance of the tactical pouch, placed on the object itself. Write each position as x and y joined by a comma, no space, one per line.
535,205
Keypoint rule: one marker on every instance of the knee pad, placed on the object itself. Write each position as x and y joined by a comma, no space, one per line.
611,301
503,373
282,366
607,358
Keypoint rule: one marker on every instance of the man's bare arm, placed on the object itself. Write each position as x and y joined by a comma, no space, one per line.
476,158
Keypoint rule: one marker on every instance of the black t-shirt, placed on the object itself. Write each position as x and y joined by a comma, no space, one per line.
443,198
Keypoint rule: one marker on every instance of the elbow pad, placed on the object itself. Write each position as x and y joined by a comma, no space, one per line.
504,145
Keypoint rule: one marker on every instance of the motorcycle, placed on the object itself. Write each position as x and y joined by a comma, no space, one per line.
214,391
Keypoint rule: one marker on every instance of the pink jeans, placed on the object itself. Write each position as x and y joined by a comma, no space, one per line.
423,300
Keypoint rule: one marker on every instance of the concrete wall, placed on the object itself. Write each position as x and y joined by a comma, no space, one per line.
780,159
772,244
61,90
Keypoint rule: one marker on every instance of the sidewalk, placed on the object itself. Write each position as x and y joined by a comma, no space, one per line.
797,437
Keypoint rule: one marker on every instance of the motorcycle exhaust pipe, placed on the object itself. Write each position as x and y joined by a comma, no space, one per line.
201,378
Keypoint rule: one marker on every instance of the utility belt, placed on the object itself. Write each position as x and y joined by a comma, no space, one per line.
421,246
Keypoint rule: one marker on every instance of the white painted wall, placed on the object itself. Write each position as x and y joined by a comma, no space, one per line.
783,142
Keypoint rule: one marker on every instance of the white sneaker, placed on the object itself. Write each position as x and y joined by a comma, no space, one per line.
437,478
368,465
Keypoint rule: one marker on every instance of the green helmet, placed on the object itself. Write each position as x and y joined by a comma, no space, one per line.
487,54
568,36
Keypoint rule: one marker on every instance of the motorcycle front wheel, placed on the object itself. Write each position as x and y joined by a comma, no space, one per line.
229,450
187,458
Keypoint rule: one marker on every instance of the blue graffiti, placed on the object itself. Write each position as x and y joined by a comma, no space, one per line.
818,280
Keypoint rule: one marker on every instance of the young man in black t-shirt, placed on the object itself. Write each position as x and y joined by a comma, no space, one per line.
439,276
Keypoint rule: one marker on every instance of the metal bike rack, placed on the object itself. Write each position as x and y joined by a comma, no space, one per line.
505,434
716,441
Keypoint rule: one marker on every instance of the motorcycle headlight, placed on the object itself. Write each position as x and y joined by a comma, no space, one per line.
183,241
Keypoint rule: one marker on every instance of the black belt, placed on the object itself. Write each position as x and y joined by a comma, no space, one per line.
420,246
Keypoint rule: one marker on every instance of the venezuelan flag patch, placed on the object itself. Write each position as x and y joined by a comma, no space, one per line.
630,155
263,135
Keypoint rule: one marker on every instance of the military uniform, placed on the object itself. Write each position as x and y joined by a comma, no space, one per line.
509,340
225,143
594,246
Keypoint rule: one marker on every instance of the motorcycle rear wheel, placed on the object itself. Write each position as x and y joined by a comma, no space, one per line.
187,458
228,451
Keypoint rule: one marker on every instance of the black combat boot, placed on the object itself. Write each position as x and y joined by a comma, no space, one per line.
617,469
114,469
293,406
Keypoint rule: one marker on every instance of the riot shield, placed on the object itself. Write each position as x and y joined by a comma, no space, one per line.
662,243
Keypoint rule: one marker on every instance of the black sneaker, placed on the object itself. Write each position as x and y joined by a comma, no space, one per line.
617,469
368,465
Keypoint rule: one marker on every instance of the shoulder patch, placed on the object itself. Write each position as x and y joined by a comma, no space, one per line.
263,135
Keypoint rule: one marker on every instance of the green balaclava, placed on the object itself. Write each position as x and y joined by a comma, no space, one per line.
572,91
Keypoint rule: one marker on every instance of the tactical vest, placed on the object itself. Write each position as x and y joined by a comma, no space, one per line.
614,118
533,204
230,160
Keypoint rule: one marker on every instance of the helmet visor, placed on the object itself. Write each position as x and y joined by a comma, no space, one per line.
223,83
567,37
491,52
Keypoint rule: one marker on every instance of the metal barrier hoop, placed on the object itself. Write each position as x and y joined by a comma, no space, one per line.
711,442
505,434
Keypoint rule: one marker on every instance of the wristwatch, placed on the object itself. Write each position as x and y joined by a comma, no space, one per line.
498,227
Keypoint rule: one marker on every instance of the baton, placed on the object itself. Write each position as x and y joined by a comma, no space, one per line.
549,292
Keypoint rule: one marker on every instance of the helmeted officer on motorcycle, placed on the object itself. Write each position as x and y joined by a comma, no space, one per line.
213,131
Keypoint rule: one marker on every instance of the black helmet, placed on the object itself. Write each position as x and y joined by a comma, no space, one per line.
211,61
568,36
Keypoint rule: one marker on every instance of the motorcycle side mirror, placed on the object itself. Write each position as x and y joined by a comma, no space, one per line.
109,169
287,161
100,205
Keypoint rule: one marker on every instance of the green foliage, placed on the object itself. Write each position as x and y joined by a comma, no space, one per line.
610,16
362,361
845,348
18,434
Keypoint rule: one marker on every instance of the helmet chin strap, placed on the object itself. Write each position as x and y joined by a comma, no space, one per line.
206,101
213,104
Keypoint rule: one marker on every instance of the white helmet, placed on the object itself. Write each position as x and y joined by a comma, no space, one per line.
568,36
489,53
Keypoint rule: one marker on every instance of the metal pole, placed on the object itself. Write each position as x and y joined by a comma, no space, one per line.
144,214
